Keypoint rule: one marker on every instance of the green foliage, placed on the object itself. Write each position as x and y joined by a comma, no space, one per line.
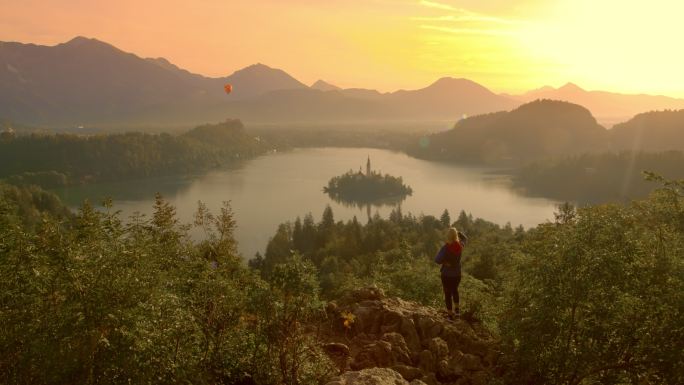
445,218
288,307
598,178
100,301
45,179
598,297
396,254
595,297
50,159
28,204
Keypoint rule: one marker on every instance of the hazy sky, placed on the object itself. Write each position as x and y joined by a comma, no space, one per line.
620,45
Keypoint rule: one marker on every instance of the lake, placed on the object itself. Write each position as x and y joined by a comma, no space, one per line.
276,188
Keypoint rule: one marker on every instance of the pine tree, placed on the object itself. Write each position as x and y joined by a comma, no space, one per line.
328,220
445,218
297,235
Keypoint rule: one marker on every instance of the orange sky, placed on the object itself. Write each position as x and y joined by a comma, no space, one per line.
509,46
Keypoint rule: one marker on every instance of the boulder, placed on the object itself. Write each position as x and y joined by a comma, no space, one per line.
426,361
400,352
336,348
376,354
409,373
428,327
471,362
449,371
480,378
338,353
438,347
373,376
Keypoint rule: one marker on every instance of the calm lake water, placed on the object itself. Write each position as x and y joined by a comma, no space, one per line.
276,188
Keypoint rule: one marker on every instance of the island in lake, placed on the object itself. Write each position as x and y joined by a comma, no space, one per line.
371,187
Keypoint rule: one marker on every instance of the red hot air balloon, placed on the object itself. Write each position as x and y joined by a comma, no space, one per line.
228,88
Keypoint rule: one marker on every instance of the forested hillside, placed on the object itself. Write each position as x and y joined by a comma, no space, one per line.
594,297
29,203
598,178
53,160
537,130
650,131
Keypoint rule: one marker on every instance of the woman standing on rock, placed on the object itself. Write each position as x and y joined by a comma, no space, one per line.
449,257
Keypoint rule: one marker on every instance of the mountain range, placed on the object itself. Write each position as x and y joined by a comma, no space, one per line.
608,107
87,82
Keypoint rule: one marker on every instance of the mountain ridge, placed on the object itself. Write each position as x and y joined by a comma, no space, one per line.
89,82
322,85
609,107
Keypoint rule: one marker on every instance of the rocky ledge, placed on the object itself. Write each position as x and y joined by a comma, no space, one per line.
411,342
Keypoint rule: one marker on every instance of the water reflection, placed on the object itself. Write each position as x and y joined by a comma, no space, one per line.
273,189
367,204
131,190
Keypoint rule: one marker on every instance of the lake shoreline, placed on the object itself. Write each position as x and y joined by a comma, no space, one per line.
275,188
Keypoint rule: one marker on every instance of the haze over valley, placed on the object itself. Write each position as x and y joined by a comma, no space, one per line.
88,82
413,192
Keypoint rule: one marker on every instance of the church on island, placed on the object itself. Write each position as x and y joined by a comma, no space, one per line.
368,168
366,187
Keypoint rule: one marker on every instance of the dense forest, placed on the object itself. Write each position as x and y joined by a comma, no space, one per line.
395,253
52,160
598,178
548,129
593,297
91,299
31,202
533,131
650,131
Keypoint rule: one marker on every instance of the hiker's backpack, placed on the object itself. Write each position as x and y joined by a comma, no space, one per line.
451,258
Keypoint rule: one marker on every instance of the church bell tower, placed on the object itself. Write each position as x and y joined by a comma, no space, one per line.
368,167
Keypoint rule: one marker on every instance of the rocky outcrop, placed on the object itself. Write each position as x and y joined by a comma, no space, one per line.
374,376
416,342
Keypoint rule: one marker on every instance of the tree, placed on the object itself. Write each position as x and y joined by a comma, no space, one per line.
598,297
298,235
328,219
445,218
291,302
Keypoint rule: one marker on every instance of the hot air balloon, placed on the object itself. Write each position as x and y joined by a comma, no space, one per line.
228,88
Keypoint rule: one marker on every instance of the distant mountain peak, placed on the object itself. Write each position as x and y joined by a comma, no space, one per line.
82,40
257,67
447,80
449,84
271,78
161,60
571,87
543,89
88,43
322,85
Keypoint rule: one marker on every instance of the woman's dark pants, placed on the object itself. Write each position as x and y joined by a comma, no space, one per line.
450,285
